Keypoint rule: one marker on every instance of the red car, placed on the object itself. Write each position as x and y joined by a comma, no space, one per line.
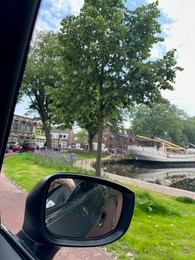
18,147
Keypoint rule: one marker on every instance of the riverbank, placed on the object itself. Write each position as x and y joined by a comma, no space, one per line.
88,165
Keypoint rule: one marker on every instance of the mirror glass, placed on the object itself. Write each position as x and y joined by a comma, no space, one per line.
77,208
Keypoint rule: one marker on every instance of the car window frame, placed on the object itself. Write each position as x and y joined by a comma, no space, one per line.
17,20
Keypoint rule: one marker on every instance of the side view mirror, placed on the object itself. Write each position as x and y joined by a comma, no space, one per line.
82,209
68,209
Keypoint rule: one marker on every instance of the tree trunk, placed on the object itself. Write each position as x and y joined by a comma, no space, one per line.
90,141
47,130
99,150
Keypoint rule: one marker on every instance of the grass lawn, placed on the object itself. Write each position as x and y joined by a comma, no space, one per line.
162,226
26,170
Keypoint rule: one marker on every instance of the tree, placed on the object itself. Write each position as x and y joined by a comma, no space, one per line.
189,129
41,77
82,136
106,63
162,120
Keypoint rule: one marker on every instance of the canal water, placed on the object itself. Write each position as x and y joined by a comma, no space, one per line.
181,178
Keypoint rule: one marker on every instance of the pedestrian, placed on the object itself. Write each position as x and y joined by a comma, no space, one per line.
24,146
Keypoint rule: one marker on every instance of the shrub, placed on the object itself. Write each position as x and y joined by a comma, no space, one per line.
185,200
49,158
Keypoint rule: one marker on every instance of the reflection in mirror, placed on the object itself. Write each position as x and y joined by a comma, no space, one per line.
77,208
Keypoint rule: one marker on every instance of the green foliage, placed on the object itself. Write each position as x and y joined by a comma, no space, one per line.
162,120
40,73
26,169
148,204
41,77
185,200
189,129
82,136
104,52
105,63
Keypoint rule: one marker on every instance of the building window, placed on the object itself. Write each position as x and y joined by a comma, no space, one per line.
62,136
23,126
15,125
28,127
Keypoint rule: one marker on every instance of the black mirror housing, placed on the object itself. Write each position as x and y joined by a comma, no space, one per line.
34,227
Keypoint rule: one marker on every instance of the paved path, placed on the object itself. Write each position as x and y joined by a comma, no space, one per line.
151,186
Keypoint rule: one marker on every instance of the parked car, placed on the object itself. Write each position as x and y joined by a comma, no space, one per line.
104,148
114,150
11,144
75,148
37,239
18,147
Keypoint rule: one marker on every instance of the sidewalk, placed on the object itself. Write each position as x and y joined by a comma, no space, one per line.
12,205
151,186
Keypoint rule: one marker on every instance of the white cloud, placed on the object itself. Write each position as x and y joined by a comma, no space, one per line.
72,7
53,11
181,35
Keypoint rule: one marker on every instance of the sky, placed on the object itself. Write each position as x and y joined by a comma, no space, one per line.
177,21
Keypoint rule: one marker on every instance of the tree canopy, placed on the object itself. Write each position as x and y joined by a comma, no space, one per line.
41,77
105,62
189,129
162,120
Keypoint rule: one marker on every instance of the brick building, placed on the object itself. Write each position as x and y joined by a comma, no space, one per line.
21,129
30,130
117,140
